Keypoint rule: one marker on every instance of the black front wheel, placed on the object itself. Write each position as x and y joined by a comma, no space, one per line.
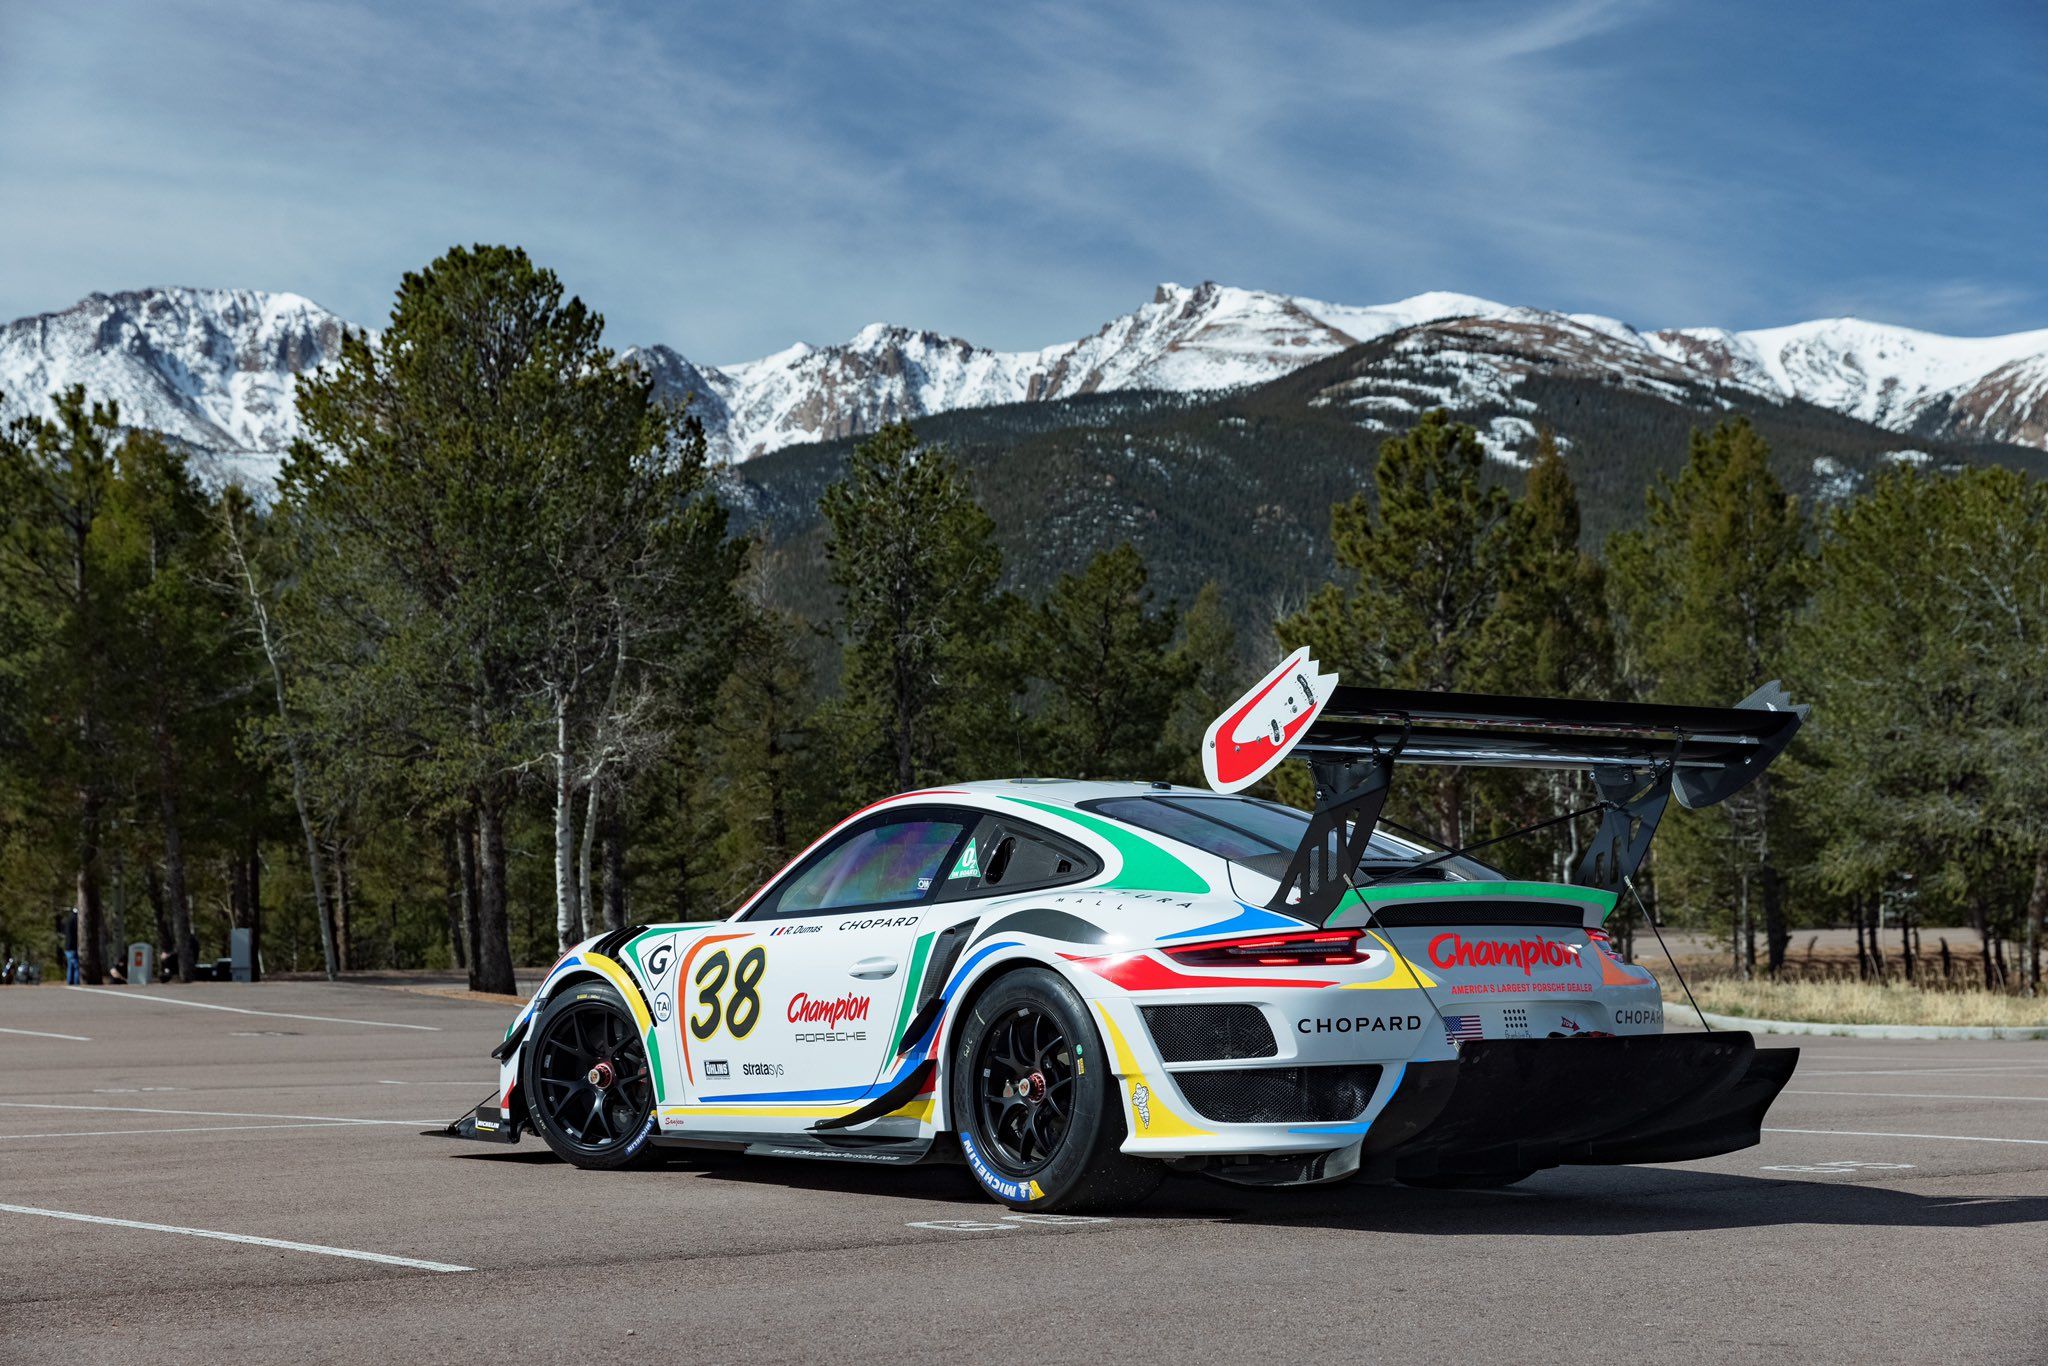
588,1086
1038,1111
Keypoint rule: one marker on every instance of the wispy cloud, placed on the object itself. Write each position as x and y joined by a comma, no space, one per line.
1959,307
731,178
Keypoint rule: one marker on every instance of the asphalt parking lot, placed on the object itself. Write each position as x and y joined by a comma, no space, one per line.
1897,1211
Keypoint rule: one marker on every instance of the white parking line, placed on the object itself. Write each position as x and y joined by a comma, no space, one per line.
1920,1071
41,1034
1951,1138
187,1129
208,1114
130,994
1913,1095
384,1258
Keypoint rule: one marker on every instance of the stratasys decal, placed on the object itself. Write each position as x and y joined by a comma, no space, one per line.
1007,1188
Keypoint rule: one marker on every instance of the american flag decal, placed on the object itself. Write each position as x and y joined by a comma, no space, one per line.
1458,1028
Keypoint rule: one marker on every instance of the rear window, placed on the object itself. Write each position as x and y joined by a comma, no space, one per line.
1262,836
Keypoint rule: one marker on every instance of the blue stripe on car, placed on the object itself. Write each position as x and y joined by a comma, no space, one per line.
1250,919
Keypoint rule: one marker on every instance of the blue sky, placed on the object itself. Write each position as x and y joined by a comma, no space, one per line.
731,178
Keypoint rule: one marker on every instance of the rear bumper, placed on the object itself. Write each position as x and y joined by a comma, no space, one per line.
1518,1105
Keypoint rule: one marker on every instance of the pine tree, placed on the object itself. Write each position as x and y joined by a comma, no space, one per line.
1705,598
1111,674
1208,659
924,677
56,477
508,564
1425,562
1924,653
761,759
1549,636
180,666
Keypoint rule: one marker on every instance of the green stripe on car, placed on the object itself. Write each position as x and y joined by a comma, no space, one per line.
1145,865
911,981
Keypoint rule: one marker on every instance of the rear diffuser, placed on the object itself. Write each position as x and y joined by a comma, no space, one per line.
1508,1106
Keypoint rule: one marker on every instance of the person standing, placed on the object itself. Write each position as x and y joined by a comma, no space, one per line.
68,924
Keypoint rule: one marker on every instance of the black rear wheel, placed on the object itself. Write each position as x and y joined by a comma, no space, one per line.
588,1085
1039,1113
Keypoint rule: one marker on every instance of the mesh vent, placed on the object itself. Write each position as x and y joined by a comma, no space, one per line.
1205,1033
1280,1095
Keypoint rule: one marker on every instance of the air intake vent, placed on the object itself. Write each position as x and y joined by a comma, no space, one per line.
1280,1095
1208,1033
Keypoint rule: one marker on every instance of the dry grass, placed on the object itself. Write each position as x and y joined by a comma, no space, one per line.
1860,1003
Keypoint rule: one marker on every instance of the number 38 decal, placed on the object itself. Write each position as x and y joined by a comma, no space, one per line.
742,1012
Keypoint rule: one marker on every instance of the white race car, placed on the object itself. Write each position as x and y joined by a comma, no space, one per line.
1074,987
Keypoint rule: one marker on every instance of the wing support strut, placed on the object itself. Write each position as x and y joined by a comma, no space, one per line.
1350,794
1632,801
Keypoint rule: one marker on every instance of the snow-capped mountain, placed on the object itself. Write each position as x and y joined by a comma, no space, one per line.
215,368
1971,388
1208,337
212,368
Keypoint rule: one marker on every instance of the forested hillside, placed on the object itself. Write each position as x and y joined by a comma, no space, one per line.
1238,489
505,657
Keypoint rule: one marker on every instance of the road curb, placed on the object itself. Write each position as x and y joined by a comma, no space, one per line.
1683,1014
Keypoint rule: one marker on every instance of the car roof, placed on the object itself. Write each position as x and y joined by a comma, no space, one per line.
1067,791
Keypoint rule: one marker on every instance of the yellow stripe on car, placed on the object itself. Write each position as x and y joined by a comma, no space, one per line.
1150,1115
616,975
1404,977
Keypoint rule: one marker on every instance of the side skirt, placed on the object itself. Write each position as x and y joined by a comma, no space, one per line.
837,1148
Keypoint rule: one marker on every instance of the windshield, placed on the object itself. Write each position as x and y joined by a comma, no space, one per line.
1263,836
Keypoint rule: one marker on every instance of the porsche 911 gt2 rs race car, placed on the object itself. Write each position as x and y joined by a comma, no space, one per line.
1074,987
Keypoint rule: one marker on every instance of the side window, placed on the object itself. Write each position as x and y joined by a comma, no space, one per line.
890,863
1009,856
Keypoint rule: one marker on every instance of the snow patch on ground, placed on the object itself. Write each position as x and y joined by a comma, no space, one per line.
1511,441
1833,481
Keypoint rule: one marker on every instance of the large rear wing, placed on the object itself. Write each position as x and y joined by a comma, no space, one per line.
1637,754
1711,752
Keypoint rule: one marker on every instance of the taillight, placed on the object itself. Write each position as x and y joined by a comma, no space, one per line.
1599,936
1314,947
